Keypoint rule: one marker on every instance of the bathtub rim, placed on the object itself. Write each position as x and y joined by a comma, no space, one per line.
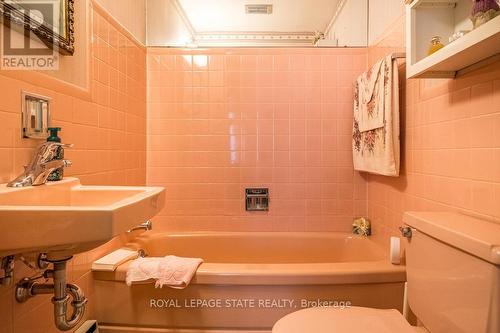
360,272
355,272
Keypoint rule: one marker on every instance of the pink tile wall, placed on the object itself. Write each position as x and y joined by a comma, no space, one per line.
222,120
451,146
108,129
109,132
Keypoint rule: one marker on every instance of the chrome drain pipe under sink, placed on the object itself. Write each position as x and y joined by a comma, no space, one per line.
29,287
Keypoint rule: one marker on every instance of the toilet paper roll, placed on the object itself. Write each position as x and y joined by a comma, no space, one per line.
395,251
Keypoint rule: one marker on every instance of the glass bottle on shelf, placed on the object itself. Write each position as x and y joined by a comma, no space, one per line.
435,45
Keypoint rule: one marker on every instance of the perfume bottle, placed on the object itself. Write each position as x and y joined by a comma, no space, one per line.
435,45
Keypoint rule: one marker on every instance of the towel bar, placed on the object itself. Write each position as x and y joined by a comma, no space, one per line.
398,55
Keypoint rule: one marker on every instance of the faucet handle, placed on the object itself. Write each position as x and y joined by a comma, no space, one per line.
59,144
56,164
50,146
47,152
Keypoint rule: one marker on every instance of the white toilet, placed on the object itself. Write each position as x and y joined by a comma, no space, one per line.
453,271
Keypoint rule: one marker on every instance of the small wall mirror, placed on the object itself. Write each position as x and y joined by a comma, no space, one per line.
52,21
36,116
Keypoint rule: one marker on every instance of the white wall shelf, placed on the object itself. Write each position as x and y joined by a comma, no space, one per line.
428,18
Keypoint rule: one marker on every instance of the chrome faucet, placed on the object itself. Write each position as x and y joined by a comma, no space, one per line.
41,166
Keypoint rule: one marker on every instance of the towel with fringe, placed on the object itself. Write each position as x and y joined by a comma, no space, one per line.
375,140
174,272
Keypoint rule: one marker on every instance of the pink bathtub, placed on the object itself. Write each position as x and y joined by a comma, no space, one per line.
250,280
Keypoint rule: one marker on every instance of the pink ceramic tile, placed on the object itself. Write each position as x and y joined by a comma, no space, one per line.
249,63
200,62
451,148
281,62
482,98
266,117
265,62
329,63
184,62
232,63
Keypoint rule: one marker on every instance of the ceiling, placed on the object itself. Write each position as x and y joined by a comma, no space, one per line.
229,15
214,23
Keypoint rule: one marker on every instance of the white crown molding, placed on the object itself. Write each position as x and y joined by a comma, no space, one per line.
182,14
265,37
340,5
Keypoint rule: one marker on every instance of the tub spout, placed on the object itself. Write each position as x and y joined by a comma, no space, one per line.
146,226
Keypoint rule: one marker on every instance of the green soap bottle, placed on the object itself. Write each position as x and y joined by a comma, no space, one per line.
57,174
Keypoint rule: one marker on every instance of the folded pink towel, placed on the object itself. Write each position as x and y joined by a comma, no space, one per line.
175,272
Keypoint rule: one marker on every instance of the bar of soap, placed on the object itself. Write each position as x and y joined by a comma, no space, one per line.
111,261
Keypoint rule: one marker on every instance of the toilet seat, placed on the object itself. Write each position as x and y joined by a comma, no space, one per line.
348,320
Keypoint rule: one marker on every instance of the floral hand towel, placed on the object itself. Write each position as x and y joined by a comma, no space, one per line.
377,150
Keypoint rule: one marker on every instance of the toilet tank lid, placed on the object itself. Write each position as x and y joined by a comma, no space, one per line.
470,234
